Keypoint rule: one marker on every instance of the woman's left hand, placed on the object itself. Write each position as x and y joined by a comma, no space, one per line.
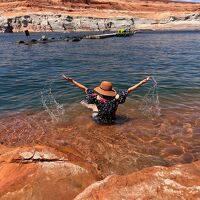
146,79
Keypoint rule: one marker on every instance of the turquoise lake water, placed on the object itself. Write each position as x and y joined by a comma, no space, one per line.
173,58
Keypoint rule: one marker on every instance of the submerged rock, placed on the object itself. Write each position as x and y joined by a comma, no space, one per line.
83,152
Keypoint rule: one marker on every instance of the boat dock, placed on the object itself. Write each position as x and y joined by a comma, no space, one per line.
101,36
76,39
108,35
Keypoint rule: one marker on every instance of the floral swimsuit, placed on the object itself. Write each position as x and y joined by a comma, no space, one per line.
106,108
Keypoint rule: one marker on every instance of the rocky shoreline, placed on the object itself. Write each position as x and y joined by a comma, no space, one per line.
42,172
66,23
141,159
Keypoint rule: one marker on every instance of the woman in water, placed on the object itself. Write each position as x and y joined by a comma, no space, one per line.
104,99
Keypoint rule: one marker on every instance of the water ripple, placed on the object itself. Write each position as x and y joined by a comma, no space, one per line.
171,57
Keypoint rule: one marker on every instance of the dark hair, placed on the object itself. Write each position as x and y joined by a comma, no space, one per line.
106,97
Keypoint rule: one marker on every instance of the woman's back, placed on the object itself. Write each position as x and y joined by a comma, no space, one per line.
106,105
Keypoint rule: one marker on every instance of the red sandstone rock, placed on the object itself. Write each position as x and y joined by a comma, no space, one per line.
153,9
41,173
178,182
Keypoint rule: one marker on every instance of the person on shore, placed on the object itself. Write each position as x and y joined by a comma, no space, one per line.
104,99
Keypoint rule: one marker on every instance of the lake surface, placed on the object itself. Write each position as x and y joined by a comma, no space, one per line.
171,57
31,84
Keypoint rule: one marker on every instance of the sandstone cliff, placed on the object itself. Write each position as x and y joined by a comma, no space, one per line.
68,15
151,9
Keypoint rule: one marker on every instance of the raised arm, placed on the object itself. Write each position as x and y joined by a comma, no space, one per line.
77,84
138,85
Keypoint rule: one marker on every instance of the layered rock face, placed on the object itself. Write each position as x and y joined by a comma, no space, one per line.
67,15
100,8
63,23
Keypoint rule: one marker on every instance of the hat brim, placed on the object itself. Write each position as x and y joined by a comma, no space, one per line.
111,93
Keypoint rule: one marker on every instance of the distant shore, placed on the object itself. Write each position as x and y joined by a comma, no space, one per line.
66,23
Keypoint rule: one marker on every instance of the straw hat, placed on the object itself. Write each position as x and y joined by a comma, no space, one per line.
105,89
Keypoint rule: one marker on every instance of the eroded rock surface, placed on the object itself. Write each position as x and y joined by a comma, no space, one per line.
179,182
41,172
62,23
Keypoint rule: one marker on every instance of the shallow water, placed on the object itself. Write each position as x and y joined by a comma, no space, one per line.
133,143
136,140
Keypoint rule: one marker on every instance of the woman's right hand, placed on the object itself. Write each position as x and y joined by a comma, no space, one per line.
67,78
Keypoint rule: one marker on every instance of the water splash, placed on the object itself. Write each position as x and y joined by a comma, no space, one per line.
52,107
150,105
